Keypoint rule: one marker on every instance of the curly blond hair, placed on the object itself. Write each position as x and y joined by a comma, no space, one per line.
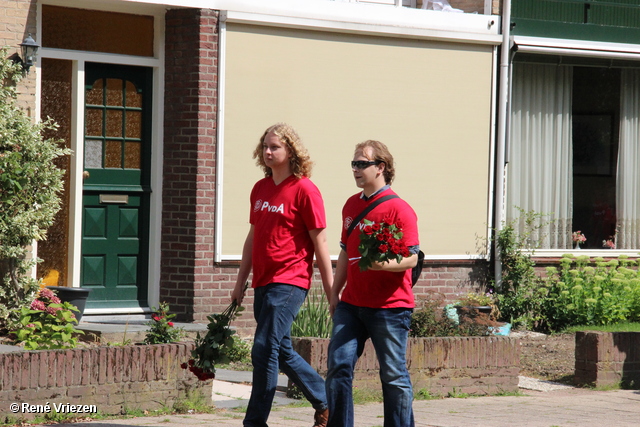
381,153
300,161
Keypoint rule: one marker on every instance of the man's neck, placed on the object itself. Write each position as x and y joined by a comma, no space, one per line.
369,190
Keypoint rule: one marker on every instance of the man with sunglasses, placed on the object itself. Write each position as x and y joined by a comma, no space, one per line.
376,303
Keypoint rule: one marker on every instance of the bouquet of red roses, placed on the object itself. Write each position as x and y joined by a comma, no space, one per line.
381,242
214,347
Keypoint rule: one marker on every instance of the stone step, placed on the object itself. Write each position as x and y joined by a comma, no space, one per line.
130,332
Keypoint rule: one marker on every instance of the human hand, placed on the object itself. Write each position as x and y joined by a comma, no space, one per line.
333,302
238,293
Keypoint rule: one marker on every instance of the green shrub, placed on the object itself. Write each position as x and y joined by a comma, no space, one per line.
161,328
520,294
314,319
47,323
586,292
580,292
30,183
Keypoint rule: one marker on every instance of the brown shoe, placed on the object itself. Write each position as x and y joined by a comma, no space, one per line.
321,418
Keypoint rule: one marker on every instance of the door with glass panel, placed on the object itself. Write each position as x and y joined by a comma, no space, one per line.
115,221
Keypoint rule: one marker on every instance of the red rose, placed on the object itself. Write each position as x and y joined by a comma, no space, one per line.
380,237
396,249
400,224
383,248
368,230
391,241
376,227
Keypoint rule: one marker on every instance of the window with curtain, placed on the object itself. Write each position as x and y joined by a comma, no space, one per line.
574,154
540,151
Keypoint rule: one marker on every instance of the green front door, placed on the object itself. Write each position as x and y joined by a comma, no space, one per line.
115,219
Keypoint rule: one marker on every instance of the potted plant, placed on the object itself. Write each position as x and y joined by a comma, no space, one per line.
478,302
578,238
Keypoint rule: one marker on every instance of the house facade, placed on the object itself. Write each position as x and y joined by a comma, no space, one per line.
163,103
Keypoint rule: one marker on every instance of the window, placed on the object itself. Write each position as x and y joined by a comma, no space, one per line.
573,153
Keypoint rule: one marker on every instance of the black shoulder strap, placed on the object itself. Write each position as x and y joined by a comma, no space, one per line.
369,209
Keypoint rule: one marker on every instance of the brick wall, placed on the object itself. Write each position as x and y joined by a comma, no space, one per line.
190,283
17,20
607,358
473,365
144,377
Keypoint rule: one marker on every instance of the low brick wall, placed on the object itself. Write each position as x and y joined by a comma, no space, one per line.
472,365
114,379
607,358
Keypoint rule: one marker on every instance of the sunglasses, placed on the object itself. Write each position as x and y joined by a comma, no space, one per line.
363,164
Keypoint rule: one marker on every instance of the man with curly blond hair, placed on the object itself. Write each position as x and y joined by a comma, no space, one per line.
287,227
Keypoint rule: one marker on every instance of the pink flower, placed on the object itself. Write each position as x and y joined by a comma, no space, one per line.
170,324
47,293
52,310
38,305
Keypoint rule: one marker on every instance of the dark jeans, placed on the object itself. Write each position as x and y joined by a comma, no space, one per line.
388,329
275,308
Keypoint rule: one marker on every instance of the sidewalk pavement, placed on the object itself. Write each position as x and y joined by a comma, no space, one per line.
541,404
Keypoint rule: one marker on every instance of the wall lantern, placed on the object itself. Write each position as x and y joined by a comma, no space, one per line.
29,49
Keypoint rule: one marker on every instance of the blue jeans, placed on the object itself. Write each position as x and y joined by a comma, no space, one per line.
275,307
388,329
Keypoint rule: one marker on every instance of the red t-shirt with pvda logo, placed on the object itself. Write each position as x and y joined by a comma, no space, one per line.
377,289
282,216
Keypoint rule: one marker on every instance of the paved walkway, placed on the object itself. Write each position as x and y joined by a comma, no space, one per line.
542,404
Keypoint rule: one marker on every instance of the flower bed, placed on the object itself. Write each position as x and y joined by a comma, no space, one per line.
113,379
472,365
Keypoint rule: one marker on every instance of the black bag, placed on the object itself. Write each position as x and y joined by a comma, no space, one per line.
415,271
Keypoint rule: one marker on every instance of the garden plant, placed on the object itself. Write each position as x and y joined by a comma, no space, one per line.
47,323
313,319
581,291
161,328
30,184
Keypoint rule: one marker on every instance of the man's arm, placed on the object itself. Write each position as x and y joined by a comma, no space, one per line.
339,280
393,266
323,259
245,268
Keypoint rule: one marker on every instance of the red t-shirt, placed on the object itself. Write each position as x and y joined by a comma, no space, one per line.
282,216
377,289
